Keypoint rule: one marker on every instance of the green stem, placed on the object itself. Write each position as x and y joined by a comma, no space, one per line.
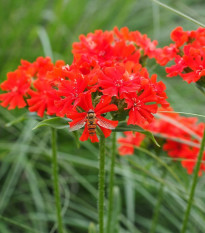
56,182
193,186
111,183
158,205
101,184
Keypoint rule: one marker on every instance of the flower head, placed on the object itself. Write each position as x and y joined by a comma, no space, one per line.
91,117
17,85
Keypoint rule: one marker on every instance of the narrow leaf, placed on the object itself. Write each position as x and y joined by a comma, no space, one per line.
16,121
55,122
122,127
179,13
76,136
116,210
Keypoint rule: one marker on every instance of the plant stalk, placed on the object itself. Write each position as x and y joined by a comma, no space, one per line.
111,183
101,184
158,205
56,182
193,186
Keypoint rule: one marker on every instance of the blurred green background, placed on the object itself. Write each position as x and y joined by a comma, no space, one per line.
34,28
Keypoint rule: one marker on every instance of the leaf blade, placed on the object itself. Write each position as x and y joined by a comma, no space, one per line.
122,127
55,122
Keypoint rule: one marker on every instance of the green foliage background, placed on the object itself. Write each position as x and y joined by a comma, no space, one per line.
34,28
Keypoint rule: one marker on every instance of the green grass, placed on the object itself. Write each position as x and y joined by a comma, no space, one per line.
27,201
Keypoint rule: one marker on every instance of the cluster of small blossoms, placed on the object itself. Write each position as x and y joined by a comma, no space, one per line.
189,55
181,138
107,76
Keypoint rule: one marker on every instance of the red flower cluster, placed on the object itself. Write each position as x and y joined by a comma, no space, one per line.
190,56
107,75
182,138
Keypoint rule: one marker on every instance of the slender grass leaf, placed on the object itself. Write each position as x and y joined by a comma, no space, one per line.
116,210
55,122
185,113
43,36
16,121
122,127
20,225
129,191
179,13
76,136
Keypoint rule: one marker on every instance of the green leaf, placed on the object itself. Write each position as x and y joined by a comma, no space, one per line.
76,136
122,127
55,122
179,13
17,120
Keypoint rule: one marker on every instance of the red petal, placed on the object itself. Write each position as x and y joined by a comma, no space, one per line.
103,106
135,118
105,131
94,138
85,134
85,101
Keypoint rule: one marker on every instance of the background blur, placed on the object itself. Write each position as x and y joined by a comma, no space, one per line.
37,28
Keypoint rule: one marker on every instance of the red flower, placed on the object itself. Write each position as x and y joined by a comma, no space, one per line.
159,89
165,54
179,36
176,69
43,65
80,119
42,99
69,91
96,45
129,142
115,81
140,112
193,60
17,86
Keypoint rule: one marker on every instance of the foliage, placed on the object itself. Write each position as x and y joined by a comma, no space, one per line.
33,28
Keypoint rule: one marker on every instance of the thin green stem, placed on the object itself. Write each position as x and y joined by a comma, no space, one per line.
20,225
111,183
193,186
179,13
158,205
101,184
56,181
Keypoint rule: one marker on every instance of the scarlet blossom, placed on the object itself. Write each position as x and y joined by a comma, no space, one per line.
17,85
190,159
124,51
159,89
114,81
42,98
96,45
80,118
69,91
176,69
181,136
129,142
179,36
190,57
142,42
107,66
195,60
166,54
140,110
29,68
43,65
194,63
